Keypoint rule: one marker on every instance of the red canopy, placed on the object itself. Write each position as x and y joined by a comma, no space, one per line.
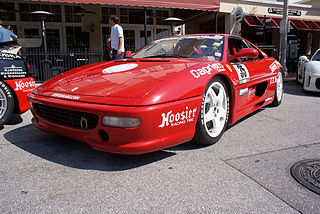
212,5
299,24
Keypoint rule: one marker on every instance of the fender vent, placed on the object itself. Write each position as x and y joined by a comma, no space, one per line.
261,88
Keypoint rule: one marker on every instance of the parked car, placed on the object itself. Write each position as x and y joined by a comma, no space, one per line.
15,81
172,91
309,72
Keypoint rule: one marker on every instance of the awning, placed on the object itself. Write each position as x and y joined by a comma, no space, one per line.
210,5
274,22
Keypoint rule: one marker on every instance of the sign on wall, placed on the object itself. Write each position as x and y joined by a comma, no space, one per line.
280,11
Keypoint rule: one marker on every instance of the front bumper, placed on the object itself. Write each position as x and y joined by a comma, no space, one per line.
312,82
163,125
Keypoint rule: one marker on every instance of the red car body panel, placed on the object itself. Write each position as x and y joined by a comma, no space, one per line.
22,87
165,93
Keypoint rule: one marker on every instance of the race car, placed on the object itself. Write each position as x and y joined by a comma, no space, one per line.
309,72
172,91
15,81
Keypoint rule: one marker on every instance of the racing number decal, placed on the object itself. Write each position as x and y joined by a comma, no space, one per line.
242,72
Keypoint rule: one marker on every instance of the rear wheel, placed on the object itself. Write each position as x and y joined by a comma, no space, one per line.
279,90
6,103
214,113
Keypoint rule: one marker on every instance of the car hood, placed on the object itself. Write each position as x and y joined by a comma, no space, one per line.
121,82
313,66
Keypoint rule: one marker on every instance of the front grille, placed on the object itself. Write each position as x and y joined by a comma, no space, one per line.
318,83
62,116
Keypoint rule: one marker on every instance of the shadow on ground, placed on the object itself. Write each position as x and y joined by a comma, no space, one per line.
76,154
294,89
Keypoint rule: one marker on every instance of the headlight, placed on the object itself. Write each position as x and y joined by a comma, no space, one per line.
122,122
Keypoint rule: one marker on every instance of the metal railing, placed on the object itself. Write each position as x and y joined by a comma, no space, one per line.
45,66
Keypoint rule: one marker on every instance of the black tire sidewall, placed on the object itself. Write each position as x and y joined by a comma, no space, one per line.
10,102
201,136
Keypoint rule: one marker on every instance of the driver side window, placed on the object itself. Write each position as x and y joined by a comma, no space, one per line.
234,46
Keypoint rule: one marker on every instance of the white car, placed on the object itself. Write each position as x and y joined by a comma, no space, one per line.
309,72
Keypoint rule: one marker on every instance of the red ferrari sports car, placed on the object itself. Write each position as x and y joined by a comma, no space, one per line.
15,82
174,90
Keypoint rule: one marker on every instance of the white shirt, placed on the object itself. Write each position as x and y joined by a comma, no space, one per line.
116,33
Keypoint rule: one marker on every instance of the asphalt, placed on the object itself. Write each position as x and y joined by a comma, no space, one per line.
247,171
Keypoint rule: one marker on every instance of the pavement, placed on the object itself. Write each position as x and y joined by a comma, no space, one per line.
247,171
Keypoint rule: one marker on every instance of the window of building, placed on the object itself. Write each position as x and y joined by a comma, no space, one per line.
142,38
135,16
8,13
31,33
73,14
106,12
76,38
53,38
129,40
161,16
161,33
26,9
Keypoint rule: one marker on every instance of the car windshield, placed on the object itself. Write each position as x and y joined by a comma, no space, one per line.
203,46
316,56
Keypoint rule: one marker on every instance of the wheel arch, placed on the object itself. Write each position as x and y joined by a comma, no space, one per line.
16,109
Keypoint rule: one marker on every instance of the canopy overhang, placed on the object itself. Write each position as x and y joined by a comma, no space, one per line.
274,22
208,5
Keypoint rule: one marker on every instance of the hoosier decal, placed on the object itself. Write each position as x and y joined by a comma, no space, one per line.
179,118
25,86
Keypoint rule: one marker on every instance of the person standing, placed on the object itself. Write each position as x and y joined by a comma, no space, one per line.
117,39
6,35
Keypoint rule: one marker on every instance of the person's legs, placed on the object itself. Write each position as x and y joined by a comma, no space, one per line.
115,56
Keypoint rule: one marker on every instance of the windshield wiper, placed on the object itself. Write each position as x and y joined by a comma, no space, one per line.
167,56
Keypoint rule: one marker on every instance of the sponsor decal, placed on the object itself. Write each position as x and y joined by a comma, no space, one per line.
119,68
66,96
6,89
25,86
179,118
268,99
252,93
275,66
207,70
12,68
228,66
74,89
218,37
243,91
216,44
242,72
8,56
273,80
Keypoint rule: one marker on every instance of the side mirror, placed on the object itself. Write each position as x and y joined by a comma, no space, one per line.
127,54
304,58
249,53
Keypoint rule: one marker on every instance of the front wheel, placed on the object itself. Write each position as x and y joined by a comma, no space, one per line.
214,113
279,91
6,103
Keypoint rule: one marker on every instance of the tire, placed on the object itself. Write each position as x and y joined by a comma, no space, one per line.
278,94
214,113
6,103
304,81
297,79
